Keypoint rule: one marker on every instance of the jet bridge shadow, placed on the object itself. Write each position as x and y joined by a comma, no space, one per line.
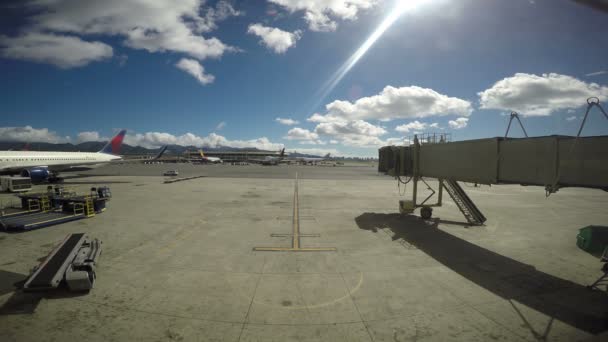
510,279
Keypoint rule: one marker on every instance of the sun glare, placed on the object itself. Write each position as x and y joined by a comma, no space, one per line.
401,7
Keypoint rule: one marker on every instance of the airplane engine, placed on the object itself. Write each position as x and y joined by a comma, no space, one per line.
37,174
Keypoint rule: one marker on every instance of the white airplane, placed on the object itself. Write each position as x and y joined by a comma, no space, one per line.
313,160
269,160
43,166
214,160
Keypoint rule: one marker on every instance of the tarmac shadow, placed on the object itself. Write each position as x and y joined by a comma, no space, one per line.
21,303
18,303
510,279
9,281
26,302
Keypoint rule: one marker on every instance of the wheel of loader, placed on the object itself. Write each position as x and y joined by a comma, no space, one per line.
426,212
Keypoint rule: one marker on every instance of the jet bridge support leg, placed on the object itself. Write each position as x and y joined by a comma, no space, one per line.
426,210
466,206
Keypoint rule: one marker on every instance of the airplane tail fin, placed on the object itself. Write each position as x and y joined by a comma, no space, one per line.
282,153
162,150
328,155
201,153
113,146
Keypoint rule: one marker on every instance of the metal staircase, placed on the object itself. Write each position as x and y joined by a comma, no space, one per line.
89,206
45,204
464,203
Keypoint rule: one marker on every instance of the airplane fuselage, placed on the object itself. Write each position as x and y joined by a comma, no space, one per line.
15,161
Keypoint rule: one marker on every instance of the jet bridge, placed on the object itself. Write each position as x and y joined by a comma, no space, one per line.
553,162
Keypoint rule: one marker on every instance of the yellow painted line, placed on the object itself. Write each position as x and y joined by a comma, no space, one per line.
296,220
181,236
301,235
295,242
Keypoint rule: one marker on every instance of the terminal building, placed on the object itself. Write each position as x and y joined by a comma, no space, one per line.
190,156
231,156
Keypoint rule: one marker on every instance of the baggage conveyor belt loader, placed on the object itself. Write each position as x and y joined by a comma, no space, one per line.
72,262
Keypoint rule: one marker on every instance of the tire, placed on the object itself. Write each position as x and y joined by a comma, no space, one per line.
426,212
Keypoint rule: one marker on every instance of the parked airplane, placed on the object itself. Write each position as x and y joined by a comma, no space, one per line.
43,166
214,160
313,160
270,160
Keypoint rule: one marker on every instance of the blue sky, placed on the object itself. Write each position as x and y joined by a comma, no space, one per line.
221,73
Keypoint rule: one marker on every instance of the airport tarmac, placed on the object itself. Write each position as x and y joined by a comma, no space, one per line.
356,171
179,263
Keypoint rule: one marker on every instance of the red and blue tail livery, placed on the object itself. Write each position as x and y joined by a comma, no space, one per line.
113,146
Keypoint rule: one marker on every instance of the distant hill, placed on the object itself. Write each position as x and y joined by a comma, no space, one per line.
94,146
89,146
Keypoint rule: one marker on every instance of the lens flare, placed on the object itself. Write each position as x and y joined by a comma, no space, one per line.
401,7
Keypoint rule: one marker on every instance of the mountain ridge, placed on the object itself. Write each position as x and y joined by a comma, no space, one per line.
126,149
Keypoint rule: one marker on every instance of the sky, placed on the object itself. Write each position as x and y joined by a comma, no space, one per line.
315,76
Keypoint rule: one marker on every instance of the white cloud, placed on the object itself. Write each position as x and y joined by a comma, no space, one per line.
345,121
321,14
287,121
397,141
89,136
539,95
157,139
298,133
316,117
597,73
357,133
458,123
341,128
312,142
59,50
194,68
220,126
571,118
304,136
396,103
416,126
30,134
273,38
152,25
222,11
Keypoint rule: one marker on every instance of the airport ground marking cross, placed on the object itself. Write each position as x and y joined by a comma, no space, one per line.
295,235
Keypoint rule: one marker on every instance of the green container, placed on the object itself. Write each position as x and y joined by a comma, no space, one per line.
593,239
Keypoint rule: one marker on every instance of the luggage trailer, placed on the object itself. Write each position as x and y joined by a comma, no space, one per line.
56,206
